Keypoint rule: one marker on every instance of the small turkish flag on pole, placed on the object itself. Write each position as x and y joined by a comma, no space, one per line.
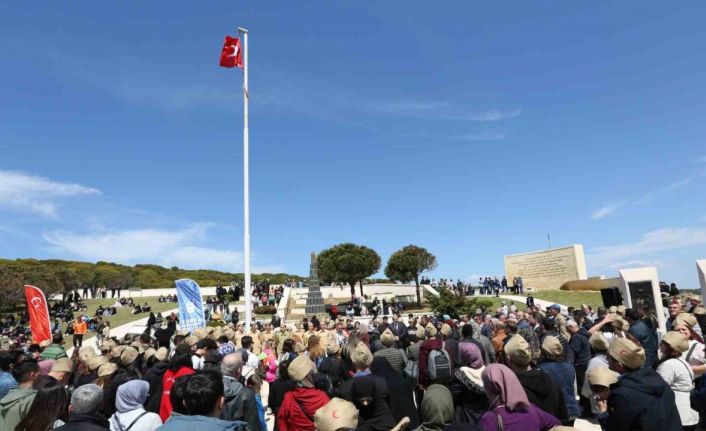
231,54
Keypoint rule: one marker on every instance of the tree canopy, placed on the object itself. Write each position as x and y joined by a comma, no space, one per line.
408,263
57,276
348,263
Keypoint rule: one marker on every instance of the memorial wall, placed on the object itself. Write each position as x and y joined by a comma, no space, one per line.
548,269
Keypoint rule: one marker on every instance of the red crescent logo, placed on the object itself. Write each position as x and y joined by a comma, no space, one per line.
333,414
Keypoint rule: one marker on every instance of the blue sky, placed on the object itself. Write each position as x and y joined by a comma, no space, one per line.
472,129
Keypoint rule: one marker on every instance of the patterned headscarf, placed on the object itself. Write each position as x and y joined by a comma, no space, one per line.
535,346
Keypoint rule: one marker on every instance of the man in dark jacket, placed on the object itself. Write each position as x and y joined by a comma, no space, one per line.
541,389
582,350
84,410
646,336
239,403
154,377
640,400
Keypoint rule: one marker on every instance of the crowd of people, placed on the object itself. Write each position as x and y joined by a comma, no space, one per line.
507,369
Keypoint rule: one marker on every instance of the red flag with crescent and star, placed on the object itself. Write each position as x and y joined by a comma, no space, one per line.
231,54
38,314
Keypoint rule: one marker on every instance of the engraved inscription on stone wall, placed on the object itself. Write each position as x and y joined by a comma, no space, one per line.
543,270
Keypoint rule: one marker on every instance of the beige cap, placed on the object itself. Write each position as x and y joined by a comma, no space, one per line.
598,341
128,356
107,369
108,345
612,309
161,354
138,346
601,376
148,353
361,356
676,340
191,340
62,365
685,319
336,414
620,310
552,346
85,353
387,338
446,330
95,362
299,347
619,323
300,367
517,351
431,330
117,351
627,353
421,333
699,310
332,348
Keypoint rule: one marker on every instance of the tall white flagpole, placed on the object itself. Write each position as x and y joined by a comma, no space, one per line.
246,185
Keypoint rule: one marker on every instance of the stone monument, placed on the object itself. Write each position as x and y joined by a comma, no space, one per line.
701,269
640,290
547,269
314,301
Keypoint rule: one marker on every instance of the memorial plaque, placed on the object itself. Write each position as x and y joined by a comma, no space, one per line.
642,297
549,269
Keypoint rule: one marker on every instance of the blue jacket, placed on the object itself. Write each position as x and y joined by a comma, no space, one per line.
564,375
7,382
179,422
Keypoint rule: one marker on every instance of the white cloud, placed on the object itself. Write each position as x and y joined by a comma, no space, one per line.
659,240
606,210
162,247
483,136
635,263
647,197
442,110
25,192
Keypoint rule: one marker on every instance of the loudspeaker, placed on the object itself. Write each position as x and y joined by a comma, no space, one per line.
611,296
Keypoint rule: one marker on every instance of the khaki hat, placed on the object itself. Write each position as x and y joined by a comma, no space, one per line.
676,340
696,298
138,346
107,369
699,310
191,340
332,349
421,333
161,354
62,365
299,347
148,353
336,414
620,310
685,319
517,351
86,353
108,345
45,343
552,346
446,330
627,353
361,356
95,362
619,323
117,351
431,330
300,367
200,333
599,341
128,356
601,376
387,338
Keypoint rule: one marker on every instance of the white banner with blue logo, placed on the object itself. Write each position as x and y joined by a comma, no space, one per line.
190,305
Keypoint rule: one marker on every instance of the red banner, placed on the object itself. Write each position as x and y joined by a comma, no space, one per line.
38,314
231,54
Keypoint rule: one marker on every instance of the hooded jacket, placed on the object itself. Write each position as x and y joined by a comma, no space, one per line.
14,406
154,377
298,409
641,400
201,423
239,403
544,392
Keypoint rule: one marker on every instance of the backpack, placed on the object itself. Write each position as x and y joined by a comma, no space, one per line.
439,365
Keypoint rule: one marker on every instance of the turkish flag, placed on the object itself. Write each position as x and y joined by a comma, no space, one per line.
231,54
38,314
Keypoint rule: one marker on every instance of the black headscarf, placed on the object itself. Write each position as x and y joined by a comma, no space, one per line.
373,412
401,399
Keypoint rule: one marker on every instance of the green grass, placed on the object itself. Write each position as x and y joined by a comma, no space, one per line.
567,298
124,314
